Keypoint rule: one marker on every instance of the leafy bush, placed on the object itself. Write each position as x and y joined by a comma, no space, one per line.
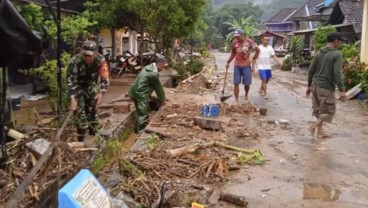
364,78
353,74
287,64
48,74
295,48
189,67
350,51
204,52
320,37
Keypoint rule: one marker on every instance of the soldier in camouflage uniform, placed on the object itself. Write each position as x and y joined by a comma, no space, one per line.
88,78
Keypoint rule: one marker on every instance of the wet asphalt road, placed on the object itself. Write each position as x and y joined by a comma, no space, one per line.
303,172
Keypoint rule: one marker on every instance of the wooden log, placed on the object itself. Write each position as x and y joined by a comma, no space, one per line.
234,199
44,121
15,134
189,149
106,106
194,76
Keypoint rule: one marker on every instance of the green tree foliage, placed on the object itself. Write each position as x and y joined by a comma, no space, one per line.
72,27
34,16
47,73
162,19
237,11
320,37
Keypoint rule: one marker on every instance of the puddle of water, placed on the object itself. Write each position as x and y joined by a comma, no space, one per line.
323,192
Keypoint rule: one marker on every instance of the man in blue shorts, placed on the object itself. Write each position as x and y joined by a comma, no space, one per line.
263,61
241,51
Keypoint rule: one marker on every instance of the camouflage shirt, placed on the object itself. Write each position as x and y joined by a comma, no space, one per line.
85,78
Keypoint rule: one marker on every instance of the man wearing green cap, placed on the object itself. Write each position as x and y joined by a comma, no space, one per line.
147,81
87,78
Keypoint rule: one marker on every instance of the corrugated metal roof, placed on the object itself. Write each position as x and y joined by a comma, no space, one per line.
281,15
313,30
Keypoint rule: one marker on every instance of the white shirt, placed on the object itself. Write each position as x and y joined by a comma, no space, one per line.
264,57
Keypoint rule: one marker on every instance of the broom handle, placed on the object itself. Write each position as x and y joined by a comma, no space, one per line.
223,88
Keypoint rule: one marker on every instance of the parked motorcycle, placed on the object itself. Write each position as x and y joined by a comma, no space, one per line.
128,63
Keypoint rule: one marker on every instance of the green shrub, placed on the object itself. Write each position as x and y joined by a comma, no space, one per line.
364,79
48,74
295,48
350,51
189,68
287,64
204,52
320,37
354,74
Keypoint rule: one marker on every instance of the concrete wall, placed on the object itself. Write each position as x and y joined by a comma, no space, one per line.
105,40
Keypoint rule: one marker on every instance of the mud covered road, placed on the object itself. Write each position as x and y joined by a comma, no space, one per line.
303,172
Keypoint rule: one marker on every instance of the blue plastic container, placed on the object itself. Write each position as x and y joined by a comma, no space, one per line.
362,95
84,191
210,110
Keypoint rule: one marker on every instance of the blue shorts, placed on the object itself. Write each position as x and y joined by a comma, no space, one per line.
243,74
265,74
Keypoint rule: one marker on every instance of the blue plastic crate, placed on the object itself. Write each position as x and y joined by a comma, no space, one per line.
84,191
210,110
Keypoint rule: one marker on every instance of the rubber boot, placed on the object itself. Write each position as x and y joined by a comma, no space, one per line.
81,134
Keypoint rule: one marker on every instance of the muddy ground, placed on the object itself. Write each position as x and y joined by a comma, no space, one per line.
303,172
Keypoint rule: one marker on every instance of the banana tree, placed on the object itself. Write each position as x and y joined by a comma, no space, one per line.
249,25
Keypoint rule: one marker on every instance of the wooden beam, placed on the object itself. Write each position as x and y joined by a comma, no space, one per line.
364,46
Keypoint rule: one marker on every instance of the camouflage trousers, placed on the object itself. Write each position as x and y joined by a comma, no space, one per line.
86,117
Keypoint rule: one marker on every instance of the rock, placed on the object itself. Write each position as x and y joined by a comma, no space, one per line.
106,106
113,180
208,123
104,114
25,128
215,197
121,107
38,146
128,200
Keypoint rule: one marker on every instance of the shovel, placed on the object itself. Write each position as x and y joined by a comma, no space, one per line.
224,98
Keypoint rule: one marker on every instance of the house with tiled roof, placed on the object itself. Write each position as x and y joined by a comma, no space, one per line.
280,23
350,14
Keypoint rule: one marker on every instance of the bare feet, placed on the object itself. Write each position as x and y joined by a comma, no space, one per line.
260,91
322,135
266,97
312,131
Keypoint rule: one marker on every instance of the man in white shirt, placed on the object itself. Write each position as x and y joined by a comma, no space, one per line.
263,61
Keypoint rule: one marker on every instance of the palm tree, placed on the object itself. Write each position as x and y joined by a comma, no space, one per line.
249,25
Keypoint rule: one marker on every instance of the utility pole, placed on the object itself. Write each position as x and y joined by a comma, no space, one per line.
57,20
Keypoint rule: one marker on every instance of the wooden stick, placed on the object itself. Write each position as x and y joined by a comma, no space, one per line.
192,77
195,147
238,149
234,199
12,203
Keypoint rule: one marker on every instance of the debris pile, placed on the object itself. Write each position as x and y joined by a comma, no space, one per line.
184,160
